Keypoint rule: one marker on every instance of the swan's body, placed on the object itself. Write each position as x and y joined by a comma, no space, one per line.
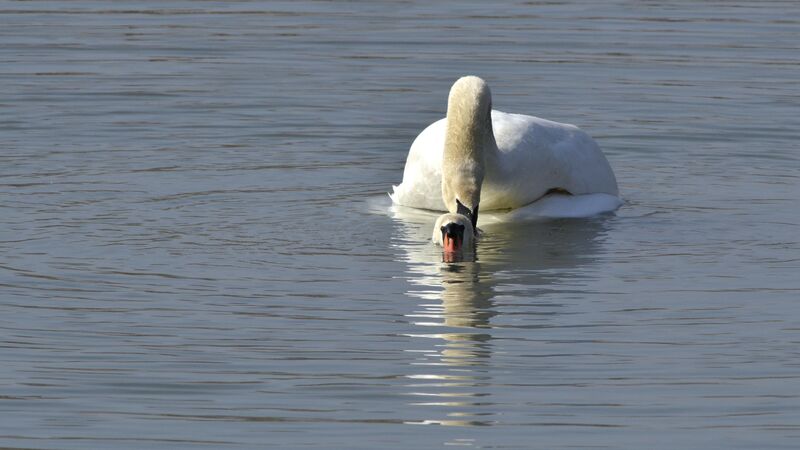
535,155
477,156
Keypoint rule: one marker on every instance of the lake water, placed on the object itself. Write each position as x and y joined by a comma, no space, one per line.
197,249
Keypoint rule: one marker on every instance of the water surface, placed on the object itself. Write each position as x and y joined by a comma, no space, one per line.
197,249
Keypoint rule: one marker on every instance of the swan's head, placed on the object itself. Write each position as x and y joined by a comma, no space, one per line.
454,232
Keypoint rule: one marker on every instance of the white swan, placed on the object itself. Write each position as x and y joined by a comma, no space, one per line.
477,156
453,232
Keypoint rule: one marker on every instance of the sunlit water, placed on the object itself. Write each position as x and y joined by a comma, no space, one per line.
197,249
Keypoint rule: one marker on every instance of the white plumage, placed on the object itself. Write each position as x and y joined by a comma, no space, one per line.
533,156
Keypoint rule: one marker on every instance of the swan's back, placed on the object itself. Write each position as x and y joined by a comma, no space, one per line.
534,156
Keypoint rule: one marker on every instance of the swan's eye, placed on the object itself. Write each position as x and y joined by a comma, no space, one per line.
453,229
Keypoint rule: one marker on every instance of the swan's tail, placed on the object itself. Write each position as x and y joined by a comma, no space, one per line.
393,194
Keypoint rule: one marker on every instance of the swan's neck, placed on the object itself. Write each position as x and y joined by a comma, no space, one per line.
469,145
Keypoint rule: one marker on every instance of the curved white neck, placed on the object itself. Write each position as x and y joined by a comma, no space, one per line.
469,146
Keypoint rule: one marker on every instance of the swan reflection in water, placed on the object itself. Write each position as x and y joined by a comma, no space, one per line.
457,303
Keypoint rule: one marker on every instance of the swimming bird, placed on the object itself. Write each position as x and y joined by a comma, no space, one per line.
453,232
480,158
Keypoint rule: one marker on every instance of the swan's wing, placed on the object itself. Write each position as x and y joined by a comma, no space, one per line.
536,155
422,177
585,169
556,206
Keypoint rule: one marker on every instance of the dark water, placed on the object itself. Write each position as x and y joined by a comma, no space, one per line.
196,248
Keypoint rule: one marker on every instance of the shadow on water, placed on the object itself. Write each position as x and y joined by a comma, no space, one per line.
458,302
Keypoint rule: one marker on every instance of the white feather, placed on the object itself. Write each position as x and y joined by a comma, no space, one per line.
533,156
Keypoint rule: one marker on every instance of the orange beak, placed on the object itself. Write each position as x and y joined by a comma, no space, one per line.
451,244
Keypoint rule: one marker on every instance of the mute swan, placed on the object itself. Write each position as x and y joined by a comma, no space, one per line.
478,156
453,232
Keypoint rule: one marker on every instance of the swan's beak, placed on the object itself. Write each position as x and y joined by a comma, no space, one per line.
452,237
